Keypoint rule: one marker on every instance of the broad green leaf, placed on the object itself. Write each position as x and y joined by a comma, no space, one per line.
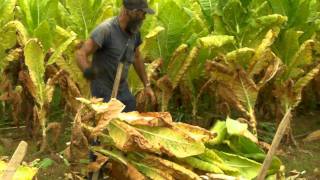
150,47
202,165
34,59
221,129
234,16
60,50
288,45
44,32
243,145
246,91
171,142
175,21
6,11
247,168
79,13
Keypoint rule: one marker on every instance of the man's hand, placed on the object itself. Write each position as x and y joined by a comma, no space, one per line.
89,73
149,92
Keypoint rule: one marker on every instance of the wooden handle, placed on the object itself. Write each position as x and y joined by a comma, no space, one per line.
15,160
117,81
275,143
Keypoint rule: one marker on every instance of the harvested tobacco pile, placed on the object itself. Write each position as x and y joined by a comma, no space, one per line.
152,146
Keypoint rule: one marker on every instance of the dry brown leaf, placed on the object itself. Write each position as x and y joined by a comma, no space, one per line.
96,165
147,119
314,136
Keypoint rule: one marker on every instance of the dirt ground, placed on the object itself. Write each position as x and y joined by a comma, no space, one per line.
305,158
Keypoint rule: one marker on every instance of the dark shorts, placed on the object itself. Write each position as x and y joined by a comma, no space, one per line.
102,90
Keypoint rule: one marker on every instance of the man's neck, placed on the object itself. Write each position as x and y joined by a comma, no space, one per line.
123,21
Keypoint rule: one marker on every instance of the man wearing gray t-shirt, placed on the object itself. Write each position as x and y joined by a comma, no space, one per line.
106,43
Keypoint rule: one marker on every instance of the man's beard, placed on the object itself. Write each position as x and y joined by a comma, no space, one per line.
134,26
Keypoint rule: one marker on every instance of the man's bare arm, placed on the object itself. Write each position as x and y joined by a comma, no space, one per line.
82,54
140,68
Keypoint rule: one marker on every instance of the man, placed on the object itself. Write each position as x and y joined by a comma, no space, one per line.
107,42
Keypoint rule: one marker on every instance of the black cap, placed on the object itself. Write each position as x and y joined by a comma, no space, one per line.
138,4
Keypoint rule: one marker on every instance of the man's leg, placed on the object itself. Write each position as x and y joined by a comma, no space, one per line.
129,101
98,90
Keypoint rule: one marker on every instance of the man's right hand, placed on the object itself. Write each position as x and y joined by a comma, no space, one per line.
89,73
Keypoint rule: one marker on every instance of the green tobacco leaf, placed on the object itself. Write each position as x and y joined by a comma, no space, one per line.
60,50
215,41
235,127
246,91
202,165
44,33
79,13
302,57
234,16
263,55
34,59
21,31
175,21
45,163
171,142
303,82
240,56
272,19
6,11
247,168
221,129
177,60
243,145
150,47
183,69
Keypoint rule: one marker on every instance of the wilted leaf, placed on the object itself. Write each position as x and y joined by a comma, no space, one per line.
147,119
174,169
171,142
195,132
127,138
314,136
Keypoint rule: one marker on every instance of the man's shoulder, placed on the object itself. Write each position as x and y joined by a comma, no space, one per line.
108,23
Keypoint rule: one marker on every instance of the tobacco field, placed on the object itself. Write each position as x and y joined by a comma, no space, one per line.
225,74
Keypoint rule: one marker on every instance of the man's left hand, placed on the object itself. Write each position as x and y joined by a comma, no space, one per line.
149,92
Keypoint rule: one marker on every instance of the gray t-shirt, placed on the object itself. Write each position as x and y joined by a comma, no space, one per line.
112,41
